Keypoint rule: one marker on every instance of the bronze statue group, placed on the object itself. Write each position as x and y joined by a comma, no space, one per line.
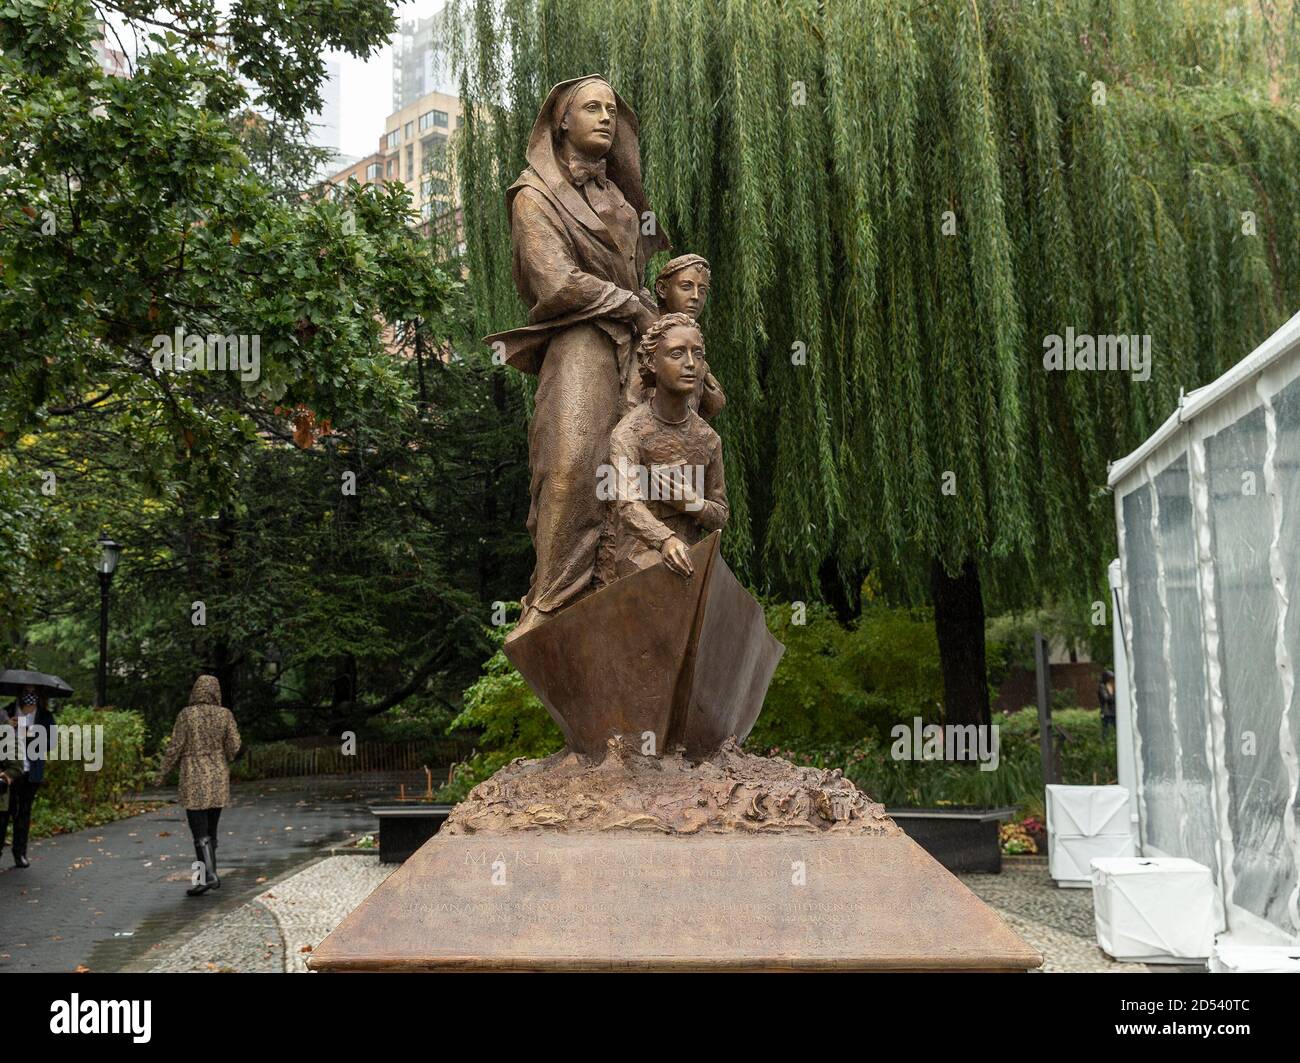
622,378
623,386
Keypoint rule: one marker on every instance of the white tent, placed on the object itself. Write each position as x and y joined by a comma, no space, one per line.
1208,590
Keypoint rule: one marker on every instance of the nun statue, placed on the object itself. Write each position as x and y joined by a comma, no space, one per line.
582,235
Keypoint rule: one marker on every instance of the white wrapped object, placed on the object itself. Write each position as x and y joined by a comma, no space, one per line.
1155,909
1070,857
1255,959
1083,824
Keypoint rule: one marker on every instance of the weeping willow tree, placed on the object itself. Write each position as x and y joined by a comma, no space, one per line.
900,201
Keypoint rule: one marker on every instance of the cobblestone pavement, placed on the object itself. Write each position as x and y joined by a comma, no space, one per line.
277,930
101,898
1058,922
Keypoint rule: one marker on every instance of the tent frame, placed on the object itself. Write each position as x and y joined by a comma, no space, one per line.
1248,386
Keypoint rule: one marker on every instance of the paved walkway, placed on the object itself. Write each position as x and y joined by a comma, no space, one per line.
103,898
277,930
1058,922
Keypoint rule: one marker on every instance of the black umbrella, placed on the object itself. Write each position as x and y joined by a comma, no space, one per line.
12,681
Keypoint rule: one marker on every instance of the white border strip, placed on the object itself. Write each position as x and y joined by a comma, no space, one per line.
1213,673
1153,473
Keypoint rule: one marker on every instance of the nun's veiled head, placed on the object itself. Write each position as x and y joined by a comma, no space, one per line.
588,119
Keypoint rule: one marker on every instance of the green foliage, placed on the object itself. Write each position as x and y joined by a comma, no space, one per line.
833,685
1086,758
132,206
1010,637
506,713
834,701
72,798
816,153
511,721
836,684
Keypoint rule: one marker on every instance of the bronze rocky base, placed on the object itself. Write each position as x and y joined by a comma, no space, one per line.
730,791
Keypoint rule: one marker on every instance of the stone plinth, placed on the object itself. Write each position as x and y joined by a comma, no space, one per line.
626,901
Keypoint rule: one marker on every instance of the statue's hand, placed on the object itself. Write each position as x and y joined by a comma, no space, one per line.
676,556
644,319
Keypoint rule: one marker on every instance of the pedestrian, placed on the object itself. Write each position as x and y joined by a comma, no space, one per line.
204,742
22,774
1106,700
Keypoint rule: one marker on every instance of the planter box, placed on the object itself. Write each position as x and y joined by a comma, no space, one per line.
960,838
404,827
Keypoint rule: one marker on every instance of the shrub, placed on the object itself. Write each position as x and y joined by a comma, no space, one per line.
512,723
1084,758
71,798
836,683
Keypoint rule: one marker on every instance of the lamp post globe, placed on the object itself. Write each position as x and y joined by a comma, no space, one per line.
109,552
105,565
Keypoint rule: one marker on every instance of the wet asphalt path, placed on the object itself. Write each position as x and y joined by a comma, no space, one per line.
102,898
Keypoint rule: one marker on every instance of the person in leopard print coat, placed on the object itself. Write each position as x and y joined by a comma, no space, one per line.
204,742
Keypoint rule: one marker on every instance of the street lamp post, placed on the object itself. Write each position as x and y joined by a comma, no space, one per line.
109,552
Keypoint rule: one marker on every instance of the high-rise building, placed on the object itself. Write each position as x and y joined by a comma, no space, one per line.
326,124
422,59
415,146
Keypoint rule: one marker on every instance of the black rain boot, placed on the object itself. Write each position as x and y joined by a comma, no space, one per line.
20,859
202,851
216,881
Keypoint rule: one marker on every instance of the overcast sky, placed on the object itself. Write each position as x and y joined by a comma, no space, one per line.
367,89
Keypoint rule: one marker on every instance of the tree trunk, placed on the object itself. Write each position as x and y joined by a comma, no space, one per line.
844,596
959,625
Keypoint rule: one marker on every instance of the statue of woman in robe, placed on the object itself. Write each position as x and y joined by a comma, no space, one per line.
582,235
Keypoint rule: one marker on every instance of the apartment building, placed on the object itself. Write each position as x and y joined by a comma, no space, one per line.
415,146
367,171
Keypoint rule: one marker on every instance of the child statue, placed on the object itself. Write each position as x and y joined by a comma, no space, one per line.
666,461
682,287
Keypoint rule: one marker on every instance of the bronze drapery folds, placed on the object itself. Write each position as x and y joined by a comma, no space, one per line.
582,234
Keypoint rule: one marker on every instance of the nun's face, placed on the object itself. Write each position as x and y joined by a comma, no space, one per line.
591,120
